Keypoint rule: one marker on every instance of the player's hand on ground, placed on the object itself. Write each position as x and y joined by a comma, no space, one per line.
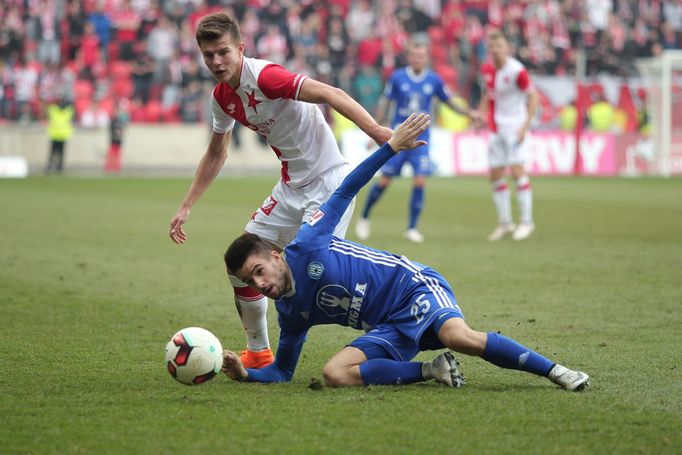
404,137
232,366
177,234
382,135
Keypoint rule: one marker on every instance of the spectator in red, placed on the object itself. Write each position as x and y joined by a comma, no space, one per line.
89,51
126,21
116,126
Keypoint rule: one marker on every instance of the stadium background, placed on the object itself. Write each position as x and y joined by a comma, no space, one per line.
141,55
91,288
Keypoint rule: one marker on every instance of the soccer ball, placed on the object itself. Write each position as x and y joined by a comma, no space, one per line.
194,355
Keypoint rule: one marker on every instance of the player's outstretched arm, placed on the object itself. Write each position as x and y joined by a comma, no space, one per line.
313,91
282,370
403,138
209,167
317,232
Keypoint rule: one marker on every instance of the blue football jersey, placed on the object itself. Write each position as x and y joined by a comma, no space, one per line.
341,282
412,93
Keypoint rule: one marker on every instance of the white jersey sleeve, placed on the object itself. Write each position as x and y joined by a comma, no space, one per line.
222,123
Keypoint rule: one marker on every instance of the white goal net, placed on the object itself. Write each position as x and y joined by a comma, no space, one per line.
663,79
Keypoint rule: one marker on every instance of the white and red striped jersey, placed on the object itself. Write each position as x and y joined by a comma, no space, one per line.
507,90
266,101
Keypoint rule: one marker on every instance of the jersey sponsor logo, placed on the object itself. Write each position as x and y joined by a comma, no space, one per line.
356,304
315,270
316,217
262,128
336,302
333,300
268,205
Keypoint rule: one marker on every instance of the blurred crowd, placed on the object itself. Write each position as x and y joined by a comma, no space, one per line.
140,58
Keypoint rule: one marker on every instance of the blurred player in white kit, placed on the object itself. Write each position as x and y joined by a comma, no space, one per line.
276,104
510,101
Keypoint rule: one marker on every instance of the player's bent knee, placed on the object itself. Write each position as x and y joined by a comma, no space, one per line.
458,336
336,375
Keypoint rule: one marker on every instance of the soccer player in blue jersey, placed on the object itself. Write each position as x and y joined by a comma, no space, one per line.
410,89
403,306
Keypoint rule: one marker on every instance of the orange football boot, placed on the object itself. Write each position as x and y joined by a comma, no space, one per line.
260,359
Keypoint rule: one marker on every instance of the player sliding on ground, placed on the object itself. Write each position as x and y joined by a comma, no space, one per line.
404,307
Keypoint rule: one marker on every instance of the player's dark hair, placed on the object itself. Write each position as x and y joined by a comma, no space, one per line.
242,248
497,33
215,26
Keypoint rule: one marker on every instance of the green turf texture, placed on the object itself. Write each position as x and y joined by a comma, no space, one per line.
91,289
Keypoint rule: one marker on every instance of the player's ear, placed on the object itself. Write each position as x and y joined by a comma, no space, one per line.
241,47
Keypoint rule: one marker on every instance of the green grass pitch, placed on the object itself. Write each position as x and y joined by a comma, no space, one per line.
91,289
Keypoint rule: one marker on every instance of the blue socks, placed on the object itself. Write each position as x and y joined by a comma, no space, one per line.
507,353
390,372
416,204
374,195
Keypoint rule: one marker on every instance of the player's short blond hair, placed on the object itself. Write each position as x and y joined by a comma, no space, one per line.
215,26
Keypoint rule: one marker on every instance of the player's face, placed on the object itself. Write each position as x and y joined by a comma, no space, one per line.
267,274
223,58
418,58
498,50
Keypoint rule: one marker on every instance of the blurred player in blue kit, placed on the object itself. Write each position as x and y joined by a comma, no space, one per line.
403,306
410,89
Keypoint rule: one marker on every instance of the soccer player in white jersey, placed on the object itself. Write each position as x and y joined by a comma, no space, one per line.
510,101
276,104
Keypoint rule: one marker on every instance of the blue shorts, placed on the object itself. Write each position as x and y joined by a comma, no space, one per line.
414,327
418,159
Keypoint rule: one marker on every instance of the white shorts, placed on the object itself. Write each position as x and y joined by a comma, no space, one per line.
283,212
505,150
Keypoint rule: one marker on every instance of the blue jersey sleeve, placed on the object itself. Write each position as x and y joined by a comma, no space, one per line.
317,232
282,369
390,90
442,90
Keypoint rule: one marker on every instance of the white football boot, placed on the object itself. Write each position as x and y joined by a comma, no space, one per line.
573,381
444,369
523,231
363,228
501,231
414,235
